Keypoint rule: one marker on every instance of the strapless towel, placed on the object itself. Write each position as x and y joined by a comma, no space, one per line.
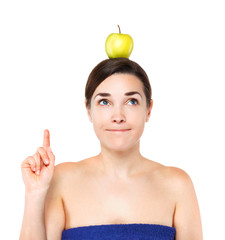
132,231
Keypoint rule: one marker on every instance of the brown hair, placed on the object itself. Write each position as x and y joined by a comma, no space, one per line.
109,67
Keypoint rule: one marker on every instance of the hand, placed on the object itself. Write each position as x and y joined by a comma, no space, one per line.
37,170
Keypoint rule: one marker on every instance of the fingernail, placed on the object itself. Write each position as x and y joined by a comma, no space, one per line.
34,169
38,172
46,161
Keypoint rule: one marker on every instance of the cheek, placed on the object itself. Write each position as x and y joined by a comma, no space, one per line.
138,117
100,120
138,122
99,116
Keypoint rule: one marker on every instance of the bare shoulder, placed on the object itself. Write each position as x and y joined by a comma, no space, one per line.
61,168
67,168
64,171
177,175
174,173
180,181
181,185
175,178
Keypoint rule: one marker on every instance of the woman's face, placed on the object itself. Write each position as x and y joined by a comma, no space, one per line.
119,111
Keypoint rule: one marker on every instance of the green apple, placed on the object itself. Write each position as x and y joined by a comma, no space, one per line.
119,45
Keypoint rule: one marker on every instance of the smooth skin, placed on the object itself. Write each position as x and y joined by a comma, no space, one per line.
37,173
119,182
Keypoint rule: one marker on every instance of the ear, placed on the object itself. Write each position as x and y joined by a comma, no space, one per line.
88,111
149,111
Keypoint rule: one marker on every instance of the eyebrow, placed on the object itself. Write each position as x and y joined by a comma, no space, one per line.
108,94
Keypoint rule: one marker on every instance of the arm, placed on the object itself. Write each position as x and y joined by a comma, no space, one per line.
33,218
41,181
54,210
187,220
44,213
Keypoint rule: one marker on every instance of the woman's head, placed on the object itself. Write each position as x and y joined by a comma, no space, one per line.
118,102
109,67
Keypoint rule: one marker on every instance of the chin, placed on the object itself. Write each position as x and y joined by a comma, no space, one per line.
119,146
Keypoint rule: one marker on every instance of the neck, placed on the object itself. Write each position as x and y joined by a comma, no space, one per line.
120,164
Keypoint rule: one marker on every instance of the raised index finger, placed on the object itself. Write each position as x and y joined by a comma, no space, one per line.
46,140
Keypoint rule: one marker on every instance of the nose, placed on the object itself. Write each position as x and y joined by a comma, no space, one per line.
118,116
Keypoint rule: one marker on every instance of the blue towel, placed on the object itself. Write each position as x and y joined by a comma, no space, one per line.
133,231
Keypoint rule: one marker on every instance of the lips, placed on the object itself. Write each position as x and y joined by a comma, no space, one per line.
118,130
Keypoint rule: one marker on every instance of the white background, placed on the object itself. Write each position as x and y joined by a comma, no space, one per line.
47,50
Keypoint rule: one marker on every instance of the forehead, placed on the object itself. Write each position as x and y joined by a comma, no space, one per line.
120,82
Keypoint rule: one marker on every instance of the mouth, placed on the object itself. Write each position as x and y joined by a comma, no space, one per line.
118,130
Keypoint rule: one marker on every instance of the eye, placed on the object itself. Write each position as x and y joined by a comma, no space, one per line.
133,100
104,101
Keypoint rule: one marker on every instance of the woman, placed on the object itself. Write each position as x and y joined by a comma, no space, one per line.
118,193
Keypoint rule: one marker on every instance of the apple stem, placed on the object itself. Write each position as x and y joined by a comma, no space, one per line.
119,28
